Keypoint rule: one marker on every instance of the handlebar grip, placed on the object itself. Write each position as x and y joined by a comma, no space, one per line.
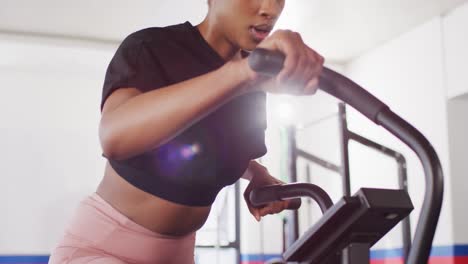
266,61
272,193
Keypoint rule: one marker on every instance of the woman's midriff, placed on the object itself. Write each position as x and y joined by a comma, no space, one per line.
149,211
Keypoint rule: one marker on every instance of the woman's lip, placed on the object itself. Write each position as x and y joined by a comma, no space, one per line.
265,27
257,35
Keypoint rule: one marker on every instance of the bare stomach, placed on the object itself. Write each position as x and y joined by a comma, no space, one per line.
147,210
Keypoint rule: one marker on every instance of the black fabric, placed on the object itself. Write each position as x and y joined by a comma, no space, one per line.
224,141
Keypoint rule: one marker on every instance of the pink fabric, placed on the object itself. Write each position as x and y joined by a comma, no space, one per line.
98,233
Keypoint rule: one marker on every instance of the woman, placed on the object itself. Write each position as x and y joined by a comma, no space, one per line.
183,116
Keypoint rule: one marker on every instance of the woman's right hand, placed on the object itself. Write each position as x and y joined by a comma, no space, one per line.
301,70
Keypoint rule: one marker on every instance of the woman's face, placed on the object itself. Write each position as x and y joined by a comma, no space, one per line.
245,23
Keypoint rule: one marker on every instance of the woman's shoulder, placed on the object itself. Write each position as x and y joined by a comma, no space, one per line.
157,34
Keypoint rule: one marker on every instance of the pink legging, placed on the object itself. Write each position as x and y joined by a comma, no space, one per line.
98,233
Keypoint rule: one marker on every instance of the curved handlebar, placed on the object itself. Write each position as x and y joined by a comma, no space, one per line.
279,192
337,85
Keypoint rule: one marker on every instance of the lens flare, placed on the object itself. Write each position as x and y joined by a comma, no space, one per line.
190,151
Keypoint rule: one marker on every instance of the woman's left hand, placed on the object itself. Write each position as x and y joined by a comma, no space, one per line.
261,177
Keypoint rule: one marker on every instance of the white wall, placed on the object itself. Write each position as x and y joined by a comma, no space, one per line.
49,112
414,74
407,73
458,141
422,76
456,61
51,156
455,51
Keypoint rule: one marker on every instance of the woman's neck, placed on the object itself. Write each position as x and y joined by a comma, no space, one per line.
214,37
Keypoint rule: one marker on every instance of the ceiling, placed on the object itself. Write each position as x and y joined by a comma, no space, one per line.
338,29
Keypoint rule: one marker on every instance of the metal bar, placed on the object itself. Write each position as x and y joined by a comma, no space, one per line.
343,124
277,192
283,228
406,225
237,241
434,187
374,145
228,246
347,135
344,140
292,224
402,181
315,122
348,91
370,106
309,202
321,162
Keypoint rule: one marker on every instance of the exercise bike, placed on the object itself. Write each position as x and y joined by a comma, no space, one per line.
357,222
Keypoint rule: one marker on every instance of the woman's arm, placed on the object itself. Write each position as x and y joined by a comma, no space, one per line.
133,122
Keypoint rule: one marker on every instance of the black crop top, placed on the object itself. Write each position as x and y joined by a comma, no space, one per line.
194,166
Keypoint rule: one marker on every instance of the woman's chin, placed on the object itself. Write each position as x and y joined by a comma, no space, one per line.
249,45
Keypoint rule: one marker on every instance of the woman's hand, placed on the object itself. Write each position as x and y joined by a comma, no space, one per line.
260,177
301,70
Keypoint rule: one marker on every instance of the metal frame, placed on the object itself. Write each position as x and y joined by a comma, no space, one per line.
344,89
236,243
345,136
